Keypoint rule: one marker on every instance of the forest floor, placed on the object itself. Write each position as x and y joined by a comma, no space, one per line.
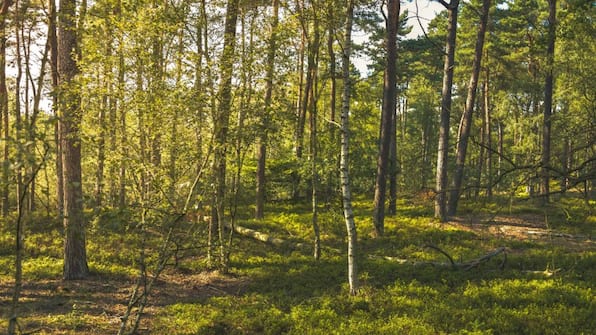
546,287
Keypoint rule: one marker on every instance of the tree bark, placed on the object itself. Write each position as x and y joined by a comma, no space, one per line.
393,168
465,125
345,151
548,100
443,147
75,255
53,41
312,107
222,123
388,110
263,139
488,137
4,106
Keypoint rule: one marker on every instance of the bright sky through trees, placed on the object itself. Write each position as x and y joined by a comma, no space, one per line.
421,13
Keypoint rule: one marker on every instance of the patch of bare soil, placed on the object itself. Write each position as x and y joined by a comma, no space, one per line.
95,305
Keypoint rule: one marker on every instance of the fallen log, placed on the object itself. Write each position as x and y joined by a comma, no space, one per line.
465,266
266,238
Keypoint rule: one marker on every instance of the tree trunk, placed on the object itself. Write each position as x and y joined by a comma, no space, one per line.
18,121
312,107
333,134
548,100
300,116
393,168
53,41
37,90
264,138
482,149
388,110
488,137
443,147
4,107
465,125
75,255
344,156
222,123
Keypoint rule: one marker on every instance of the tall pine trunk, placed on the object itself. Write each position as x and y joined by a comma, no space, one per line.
388,110
465,125
443,147
4,107
263,139
221,126
548,100
75,254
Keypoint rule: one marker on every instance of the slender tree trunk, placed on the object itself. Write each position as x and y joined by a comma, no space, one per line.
17,100
265,120
393,168
482,150
315,177
312,107
500,152
443,147
114,94
4,107
53,41
333,134
307,95
37,91
548,100
222,123
300,117
465,125
388,110
488,135
101,152
345,151
566,157
75,254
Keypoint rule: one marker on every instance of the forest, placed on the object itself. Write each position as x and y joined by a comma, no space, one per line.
297,167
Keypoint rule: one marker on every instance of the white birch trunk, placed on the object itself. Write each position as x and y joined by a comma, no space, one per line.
343,165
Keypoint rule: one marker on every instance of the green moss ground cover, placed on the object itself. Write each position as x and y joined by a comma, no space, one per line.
546,286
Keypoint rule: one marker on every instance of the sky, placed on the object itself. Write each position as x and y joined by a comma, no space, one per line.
426,12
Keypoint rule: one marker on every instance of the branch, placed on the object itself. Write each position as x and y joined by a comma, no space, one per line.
454,265
432,246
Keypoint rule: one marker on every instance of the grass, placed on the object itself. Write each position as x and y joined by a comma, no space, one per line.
546,287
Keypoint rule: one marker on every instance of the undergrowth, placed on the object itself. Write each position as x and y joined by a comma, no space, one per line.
545,286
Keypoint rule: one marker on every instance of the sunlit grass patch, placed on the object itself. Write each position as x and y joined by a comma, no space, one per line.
43,267
224,315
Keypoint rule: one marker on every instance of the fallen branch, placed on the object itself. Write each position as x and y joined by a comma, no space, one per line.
266,238
452,264
555,234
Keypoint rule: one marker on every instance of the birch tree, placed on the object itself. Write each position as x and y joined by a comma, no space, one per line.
345,152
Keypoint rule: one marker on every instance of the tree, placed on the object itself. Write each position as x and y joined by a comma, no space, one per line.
345,152
75,254
466,118
387,114
264,130
548,100
4,106
221,125
443,147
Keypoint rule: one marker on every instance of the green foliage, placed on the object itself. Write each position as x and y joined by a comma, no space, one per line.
546,286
